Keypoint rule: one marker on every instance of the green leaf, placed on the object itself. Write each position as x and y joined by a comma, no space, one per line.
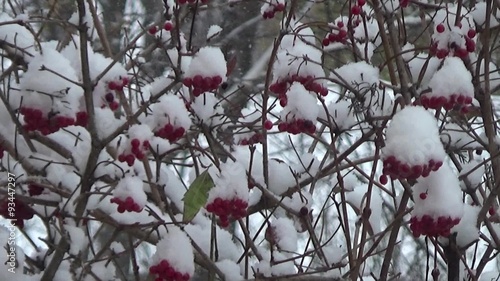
197,195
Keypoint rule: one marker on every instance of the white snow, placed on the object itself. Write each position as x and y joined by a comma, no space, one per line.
444,196
452,78
213,31
208,62
413,142
230,269
285,234
466,230
356,73
358,199
341,113
175,247
301,104
475,171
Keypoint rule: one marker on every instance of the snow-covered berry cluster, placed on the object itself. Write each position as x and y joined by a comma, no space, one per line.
118,84
128,205
201,84
428,226
170,119
397,169
173,259
280,87
455,101
269,9
253,139
171,133
22,211
164,271
297,126
228,199
451,87
137,150
129,195
452,38
36,120
426,153
206,71
135,144
458,48
438,204
227,209
49,101
338,34
298,80
300,112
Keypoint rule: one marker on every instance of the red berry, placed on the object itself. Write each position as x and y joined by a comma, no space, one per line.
109,97
361,2
113,106
356,10
491,211
135,143
268,125
383,179
325,43
188,82
423,195
280,7
440,28
112,85
471,33
153,29
168,26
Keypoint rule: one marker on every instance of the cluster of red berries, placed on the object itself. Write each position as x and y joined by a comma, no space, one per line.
297,126
170,133
357,8
166,272
458,51
255,138
399,170
36,121
118,85
35,189
280,87
273,9
182,2
224,208
336,35
167,26
110,100
430,227
128,205
457,102
136,152
21,211
202,84
404,3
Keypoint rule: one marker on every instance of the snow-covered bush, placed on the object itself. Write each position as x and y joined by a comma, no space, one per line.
249,140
